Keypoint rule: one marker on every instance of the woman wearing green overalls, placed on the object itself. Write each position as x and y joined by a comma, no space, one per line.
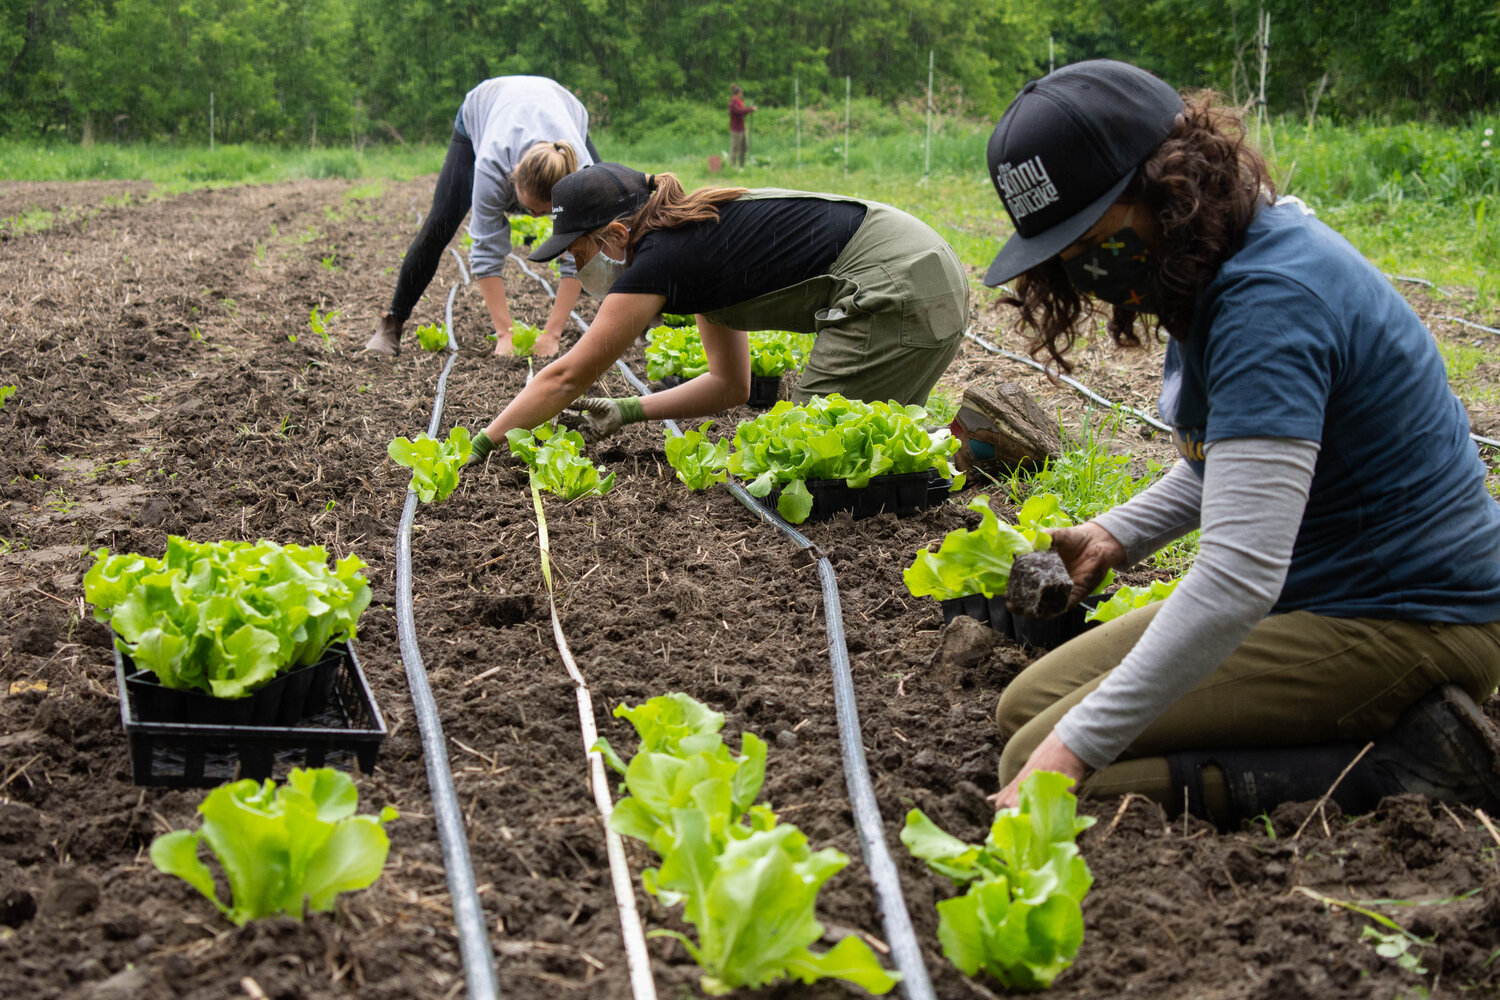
885,295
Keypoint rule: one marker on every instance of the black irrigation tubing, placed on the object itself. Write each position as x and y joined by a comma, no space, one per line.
468,914
916,984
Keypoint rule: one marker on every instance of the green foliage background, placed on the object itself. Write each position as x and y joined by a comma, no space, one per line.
341,71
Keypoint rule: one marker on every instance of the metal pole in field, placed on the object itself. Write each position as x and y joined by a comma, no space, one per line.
846,122
1051,57
927,166
210,121
797,115
1265,54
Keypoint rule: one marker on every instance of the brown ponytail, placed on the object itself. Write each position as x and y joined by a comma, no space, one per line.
669,207
542,166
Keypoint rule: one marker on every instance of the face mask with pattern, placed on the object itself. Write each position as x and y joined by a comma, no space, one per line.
1120,271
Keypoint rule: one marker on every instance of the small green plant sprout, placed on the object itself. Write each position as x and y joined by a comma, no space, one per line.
674,351
330,504
1021,919
282,849
432,337
320,324
698,462
1127,599
1396,947
530,229
523,338
969,561
941,406
195,334
434,464
776,352
330,260
6,391
555,457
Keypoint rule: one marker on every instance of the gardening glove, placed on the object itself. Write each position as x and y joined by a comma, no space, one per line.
597,418
481,446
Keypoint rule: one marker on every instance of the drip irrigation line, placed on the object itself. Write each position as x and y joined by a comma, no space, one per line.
637,958
463,271
1477,326
468,913
1068,380
915,984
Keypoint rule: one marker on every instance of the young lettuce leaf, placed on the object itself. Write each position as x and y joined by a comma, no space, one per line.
432,337
674,351
226,617
523,338
968,561
698,462
1021,920
679,319
555,457
776,352
1127,599
280,848
434,464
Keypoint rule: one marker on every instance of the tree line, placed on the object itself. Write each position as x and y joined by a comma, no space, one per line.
395,70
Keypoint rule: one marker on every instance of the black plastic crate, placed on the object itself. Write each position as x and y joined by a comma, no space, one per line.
989,611
903,495
341,727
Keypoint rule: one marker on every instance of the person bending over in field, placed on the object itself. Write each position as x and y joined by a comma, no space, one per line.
514,137
886,297
1347,586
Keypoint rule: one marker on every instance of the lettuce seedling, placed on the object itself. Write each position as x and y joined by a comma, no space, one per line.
226,617
555,457
530,229
674,351
280,848
434,464
971,561
679,319
1021,920
432,337
698,462
1127,599
747,884
523,338
834,438
5,393
320,325
776,352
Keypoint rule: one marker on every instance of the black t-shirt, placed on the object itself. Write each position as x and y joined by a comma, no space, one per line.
756,247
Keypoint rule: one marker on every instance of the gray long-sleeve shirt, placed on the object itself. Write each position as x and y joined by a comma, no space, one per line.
503,117
1249,503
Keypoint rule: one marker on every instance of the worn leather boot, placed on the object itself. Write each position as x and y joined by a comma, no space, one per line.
387,336
1441,747
1002,428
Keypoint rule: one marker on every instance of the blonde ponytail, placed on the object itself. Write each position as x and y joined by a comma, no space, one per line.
542,166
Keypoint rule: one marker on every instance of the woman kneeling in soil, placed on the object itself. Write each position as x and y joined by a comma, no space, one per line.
1347,587
514,137
885,295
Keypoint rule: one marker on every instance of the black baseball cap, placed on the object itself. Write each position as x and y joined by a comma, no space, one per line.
1064,150
589,198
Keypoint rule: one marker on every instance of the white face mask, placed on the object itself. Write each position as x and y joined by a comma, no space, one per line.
599,274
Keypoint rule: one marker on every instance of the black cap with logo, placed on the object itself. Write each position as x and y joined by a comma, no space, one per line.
1064,150
589,198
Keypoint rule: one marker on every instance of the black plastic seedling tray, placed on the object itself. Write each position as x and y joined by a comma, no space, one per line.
339,725
903,495
989,611
1038,633
765,391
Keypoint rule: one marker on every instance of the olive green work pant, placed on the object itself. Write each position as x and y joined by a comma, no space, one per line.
1298,679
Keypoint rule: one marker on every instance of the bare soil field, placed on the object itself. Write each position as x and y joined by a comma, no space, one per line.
168,383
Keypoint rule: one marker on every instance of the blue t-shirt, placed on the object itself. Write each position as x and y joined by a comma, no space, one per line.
1299,336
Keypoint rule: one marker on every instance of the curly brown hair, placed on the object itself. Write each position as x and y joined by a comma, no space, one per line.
1202,185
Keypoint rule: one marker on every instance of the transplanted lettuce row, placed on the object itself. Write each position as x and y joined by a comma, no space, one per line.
555,457
678,351
1021,920
226,617
698,462
834,438
434,464
432,337
280,848
523,338
1127,599
747,884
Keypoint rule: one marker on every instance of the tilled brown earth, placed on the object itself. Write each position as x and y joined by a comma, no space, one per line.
160,391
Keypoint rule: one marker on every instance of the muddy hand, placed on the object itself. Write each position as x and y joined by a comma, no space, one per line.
1088,551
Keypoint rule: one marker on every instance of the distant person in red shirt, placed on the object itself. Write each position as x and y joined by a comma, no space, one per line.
739,141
